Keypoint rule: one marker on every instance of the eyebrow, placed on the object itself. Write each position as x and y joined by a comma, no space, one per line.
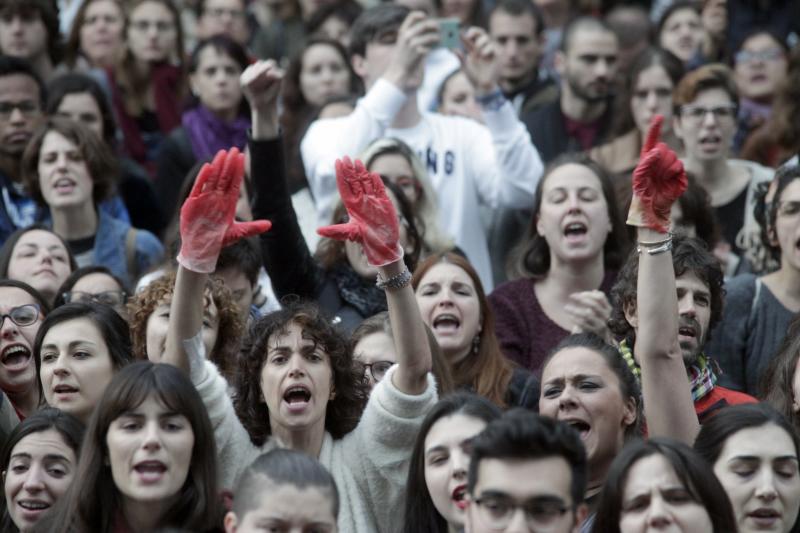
576,377
47,457
756,458
72,345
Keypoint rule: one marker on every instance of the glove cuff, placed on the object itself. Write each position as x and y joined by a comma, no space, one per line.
200,266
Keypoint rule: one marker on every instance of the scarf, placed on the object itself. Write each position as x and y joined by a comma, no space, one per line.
363,295
208,134
165,79
702,375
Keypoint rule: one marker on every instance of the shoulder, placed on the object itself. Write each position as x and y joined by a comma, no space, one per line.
620,154
740,287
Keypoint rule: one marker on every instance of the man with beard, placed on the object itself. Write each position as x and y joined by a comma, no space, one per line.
698,282
580,118
21,104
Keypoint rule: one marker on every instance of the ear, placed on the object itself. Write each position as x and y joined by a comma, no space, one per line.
192,86
230,522
359,63
629,308
560,62
629,412
772,236
539,228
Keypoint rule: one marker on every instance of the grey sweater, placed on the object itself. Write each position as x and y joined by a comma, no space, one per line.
753,325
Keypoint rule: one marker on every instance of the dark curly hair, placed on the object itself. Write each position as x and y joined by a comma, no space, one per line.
142,305
343,411
688,255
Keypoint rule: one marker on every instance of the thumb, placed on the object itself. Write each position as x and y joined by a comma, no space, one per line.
341,232
653,134
241,230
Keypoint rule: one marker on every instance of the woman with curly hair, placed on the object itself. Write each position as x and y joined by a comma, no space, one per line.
297,384
222,328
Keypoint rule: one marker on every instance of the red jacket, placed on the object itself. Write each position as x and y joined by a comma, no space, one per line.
718,398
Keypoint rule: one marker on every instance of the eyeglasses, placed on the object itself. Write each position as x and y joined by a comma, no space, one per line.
27,108
110,298
497,511
24,315
745,56
219,12
162,26
378,369
697,113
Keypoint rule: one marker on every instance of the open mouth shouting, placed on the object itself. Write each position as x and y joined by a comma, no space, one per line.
446,324
581,426
297,398
459,496
16,357
575,232
150,472
31,508
64,185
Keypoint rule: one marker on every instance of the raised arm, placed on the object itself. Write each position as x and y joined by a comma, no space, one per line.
507,176
207,225
285,254
374,224
659,179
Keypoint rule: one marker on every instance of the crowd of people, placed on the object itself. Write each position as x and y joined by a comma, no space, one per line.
400,266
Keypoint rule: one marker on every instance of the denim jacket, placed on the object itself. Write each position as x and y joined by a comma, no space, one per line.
109,248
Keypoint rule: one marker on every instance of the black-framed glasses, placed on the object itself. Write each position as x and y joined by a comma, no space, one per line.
111,298
497,510
378,369
697,113
23,315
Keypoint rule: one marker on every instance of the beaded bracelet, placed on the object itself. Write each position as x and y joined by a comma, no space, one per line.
395,282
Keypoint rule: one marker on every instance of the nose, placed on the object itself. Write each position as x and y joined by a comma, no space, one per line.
460,464
16,116
566,400
17,25
766,485
296,367
152,436
8,329
601,68
61,367
686,306
652,101
34,480
657,514
518,523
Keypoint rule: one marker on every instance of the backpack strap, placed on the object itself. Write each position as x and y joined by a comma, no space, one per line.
130,252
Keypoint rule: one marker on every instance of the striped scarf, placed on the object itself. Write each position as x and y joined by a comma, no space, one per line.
702,375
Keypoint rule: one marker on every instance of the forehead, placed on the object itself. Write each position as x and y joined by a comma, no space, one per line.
653,75
765,441
151,9
292,333
760,41
17,87
14,297
592,41
714,95
96,280
79,102
505,23
388,164
40,443
54,140
214,54
82,328
682,15
289,503
102,6
649,471
577,360
791,191
571,175
39,237
525,478
443,273
234,4
453,430
321,52
690,280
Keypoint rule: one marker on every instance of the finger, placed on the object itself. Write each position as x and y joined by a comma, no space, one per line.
242,230
231,170
342,178
340,232
653,134
216,167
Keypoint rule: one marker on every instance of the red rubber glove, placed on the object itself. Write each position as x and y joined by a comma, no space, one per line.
373,219
658,180
207,215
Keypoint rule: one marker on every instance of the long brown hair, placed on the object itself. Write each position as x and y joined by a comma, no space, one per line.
487,372
93,501
775,385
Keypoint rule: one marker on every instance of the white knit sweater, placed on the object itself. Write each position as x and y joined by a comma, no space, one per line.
369,464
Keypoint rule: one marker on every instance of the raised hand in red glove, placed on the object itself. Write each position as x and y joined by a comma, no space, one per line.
373,219
207,215
658,180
